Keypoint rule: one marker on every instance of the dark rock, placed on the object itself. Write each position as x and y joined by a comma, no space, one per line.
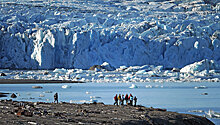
46,73
175,70
13,95
3,94
28,113
212,2
204,93
95,67
155,75
3,74
37,87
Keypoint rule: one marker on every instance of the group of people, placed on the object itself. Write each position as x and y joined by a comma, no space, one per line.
119,99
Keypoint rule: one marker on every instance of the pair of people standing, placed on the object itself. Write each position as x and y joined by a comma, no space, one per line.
129,99
119,100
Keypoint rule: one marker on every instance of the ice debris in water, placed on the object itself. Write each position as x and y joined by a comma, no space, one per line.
205,70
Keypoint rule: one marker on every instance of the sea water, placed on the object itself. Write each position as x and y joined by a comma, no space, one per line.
178,97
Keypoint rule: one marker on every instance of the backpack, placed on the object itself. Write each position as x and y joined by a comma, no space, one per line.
115,98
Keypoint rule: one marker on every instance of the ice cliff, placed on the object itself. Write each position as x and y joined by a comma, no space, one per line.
80,34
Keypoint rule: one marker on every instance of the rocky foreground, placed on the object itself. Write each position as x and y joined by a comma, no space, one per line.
14,112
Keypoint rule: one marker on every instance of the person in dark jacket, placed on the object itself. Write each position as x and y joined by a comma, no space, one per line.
126,99
116,99
56,97
122,100
135,101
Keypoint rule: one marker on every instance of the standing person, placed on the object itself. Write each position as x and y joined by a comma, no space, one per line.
131,100
119,99
126,99
122,99
116,99
135,101
56,97
129,97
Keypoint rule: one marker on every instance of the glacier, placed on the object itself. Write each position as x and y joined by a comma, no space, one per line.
82,33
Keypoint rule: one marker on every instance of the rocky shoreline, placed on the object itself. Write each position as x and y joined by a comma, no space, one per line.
34,81
18,112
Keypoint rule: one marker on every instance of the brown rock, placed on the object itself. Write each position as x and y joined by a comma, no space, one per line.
13,95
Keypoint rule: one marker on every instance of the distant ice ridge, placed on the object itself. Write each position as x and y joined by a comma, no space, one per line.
202,71
77,34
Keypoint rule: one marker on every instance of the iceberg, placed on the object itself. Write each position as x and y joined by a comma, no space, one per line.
200,87
200,66
66,86
133,86
149,86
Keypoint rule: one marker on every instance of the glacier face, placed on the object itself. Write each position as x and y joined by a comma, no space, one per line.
80,34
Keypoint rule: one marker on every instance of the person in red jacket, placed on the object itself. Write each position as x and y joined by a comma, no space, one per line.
130,98
116,99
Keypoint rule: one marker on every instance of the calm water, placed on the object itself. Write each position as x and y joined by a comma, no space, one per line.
180,97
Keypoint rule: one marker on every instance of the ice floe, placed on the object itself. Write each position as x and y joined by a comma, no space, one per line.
66,86
133,86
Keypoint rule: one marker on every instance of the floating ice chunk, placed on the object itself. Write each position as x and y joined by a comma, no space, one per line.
133,86
60,70
48,92
88,92
149,86
200,66
205,93
107,66
156,86
37,87
93,100
78,76
121,68
212,114
141,72
79,71
41,95
81,101
70,71
196,111
94,97
101,76
128,77
201,87
32,123
66,86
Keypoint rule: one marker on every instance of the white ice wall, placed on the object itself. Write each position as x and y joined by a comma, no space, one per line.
121,33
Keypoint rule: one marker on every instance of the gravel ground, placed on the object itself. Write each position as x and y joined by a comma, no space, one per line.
15,112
